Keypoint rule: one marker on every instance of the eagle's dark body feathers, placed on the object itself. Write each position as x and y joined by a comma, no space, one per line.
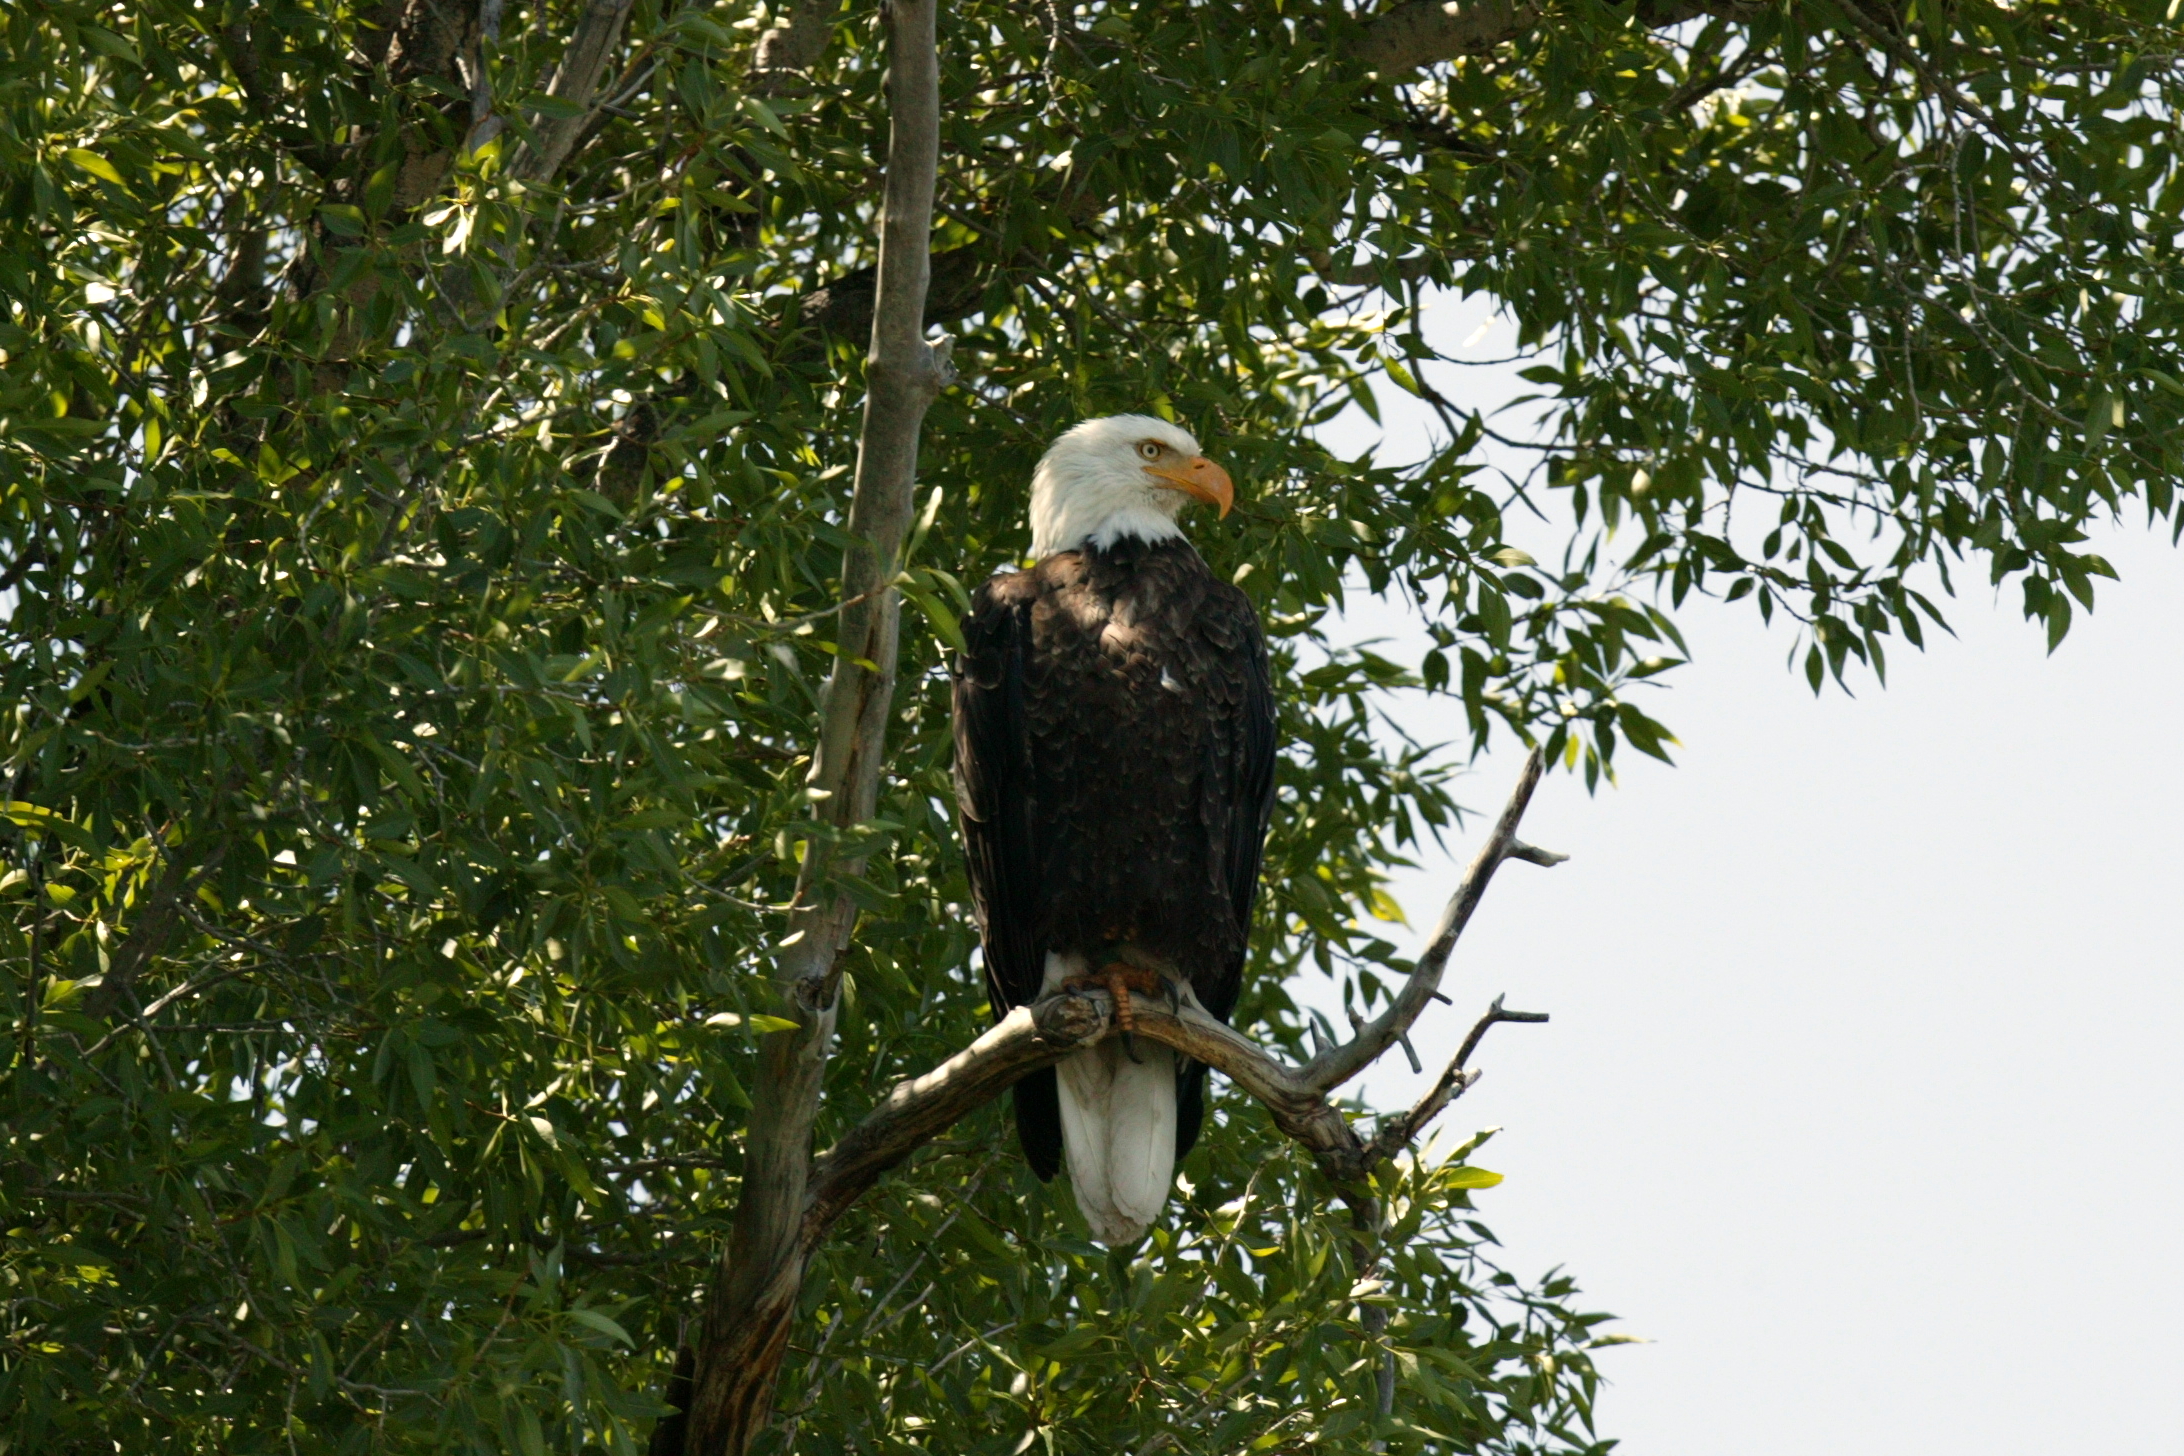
1115,738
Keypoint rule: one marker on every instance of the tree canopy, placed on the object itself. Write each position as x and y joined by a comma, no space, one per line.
424,434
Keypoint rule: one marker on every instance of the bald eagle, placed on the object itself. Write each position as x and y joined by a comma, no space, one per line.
1114,770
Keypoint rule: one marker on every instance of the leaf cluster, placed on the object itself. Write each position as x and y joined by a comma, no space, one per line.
418,564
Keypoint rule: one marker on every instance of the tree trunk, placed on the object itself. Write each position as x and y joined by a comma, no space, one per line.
752,1301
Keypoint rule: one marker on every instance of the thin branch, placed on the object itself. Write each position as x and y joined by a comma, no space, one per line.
1336,1065
1371,275
1397,1133
158,913
143,1019
32,555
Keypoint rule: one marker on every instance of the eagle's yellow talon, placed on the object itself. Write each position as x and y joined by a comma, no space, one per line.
1118,979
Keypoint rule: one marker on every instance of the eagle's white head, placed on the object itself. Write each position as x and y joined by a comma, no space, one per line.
1125,475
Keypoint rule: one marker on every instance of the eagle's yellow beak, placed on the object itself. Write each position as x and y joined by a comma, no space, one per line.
1201,479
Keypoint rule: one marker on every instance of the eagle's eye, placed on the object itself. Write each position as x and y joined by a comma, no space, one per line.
1149,449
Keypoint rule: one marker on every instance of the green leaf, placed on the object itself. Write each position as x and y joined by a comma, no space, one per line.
398,767
554,108
697,24
91,162
592,500
106,43
46,821
592,1319
1073,1342
343,219
378,192
943,621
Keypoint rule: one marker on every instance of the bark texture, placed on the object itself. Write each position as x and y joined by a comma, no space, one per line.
1425,32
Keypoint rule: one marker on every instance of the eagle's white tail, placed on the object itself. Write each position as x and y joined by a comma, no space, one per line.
1118,1127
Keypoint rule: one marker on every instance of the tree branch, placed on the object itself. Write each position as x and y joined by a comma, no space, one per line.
1043,1033
158,915
1046,1031
795,44
1396,1133
1423,32
1336,1065
575,80
921,1108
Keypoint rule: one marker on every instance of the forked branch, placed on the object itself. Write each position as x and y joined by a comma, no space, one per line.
726,1388
1396,1133
1039,1035
1337,1064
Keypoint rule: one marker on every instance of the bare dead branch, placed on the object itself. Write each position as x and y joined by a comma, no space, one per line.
1494,1017
1049,1029
1028,1038
1396,1133
1333,1066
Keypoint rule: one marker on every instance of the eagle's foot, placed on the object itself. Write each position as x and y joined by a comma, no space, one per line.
1118,979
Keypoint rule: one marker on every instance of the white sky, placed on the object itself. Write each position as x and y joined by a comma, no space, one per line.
1860,1099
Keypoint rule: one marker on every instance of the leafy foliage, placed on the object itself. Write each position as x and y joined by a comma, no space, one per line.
420,557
